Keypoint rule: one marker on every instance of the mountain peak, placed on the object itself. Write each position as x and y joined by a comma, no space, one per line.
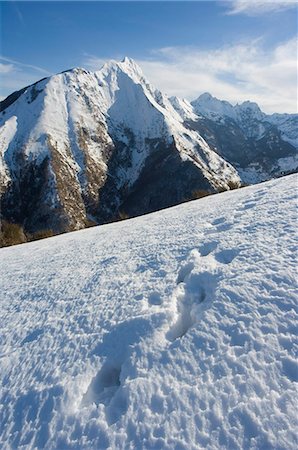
249,108
211,106
249,105
129,61
206,96
126,65
129,65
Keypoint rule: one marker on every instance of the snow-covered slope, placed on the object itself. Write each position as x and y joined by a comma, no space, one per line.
176,330
82,145
288,125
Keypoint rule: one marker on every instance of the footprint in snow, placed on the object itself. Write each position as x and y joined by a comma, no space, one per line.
32,336
248,205
224,227
154,298
107,387
103,389
195,290
184,271
218,221
207,248
219,224
197,281
103,386
192,297
226,256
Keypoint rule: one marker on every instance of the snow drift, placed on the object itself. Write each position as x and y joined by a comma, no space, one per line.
172,330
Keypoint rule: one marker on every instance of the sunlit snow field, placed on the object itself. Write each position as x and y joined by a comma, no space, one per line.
175,330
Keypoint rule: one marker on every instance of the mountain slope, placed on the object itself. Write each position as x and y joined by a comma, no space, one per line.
82,145
172,330
260,146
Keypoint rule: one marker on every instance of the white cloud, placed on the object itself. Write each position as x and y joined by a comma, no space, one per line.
16,75
93,62
235,73
6,68
256,7
19,64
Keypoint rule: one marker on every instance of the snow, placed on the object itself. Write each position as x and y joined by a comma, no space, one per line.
288,164
7,133
248,116
212,107
175,330
288,125
183,108
112,105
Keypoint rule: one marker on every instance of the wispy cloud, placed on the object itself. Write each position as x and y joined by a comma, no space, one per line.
15,75
257,7
28,66
235,73
18,12
6,68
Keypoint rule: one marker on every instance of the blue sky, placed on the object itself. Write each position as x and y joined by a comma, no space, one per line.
184,48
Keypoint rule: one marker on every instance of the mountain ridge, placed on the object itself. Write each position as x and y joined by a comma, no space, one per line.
81,146
213,108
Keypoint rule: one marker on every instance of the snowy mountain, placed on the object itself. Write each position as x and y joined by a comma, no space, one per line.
259,145
82,145
175,330
86,147
248,116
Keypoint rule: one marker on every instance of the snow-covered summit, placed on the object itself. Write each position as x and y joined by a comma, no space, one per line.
102,134
212,107
176,330
183,108
248,116
127,65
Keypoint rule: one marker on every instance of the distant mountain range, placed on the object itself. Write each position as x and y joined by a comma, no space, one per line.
86,147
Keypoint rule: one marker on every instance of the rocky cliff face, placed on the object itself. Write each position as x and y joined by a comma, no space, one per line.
82,146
